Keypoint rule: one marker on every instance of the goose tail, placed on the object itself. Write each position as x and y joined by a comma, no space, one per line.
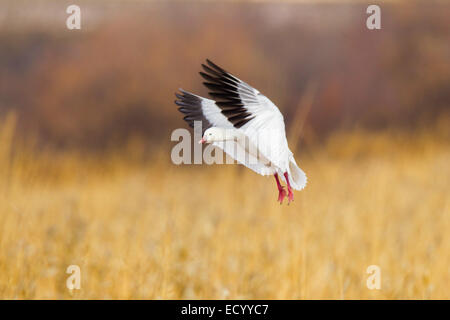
297,177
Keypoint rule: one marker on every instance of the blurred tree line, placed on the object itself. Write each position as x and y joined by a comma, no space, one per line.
116,77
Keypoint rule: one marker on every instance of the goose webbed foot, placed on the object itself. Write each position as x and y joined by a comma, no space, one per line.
290,196
281,191
290,193
281,195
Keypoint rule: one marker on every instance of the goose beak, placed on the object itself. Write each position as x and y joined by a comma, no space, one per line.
202,141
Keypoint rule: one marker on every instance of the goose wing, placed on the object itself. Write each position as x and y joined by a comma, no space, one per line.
197,108
246,109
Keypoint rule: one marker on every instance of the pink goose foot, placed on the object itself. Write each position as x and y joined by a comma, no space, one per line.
281,191
281,195
290,193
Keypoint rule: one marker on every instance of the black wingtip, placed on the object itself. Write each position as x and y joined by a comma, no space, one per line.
177,93
211,64
215,66
207,77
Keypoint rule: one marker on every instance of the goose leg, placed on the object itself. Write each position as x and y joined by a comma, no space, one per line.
281,191
290,193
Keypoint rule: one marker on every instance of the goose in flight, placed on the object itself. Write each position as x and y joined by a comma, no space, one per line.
245,124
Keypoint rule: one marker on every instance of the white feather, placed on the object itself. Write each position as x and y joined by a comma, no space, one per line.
264,128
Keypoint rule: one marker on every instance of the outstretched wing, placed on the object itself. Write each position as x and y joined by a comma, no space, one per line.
250,111
239,102
197,108
191,106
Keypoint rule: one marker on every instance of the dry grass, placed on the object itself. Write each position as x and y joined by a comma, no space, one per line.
156,230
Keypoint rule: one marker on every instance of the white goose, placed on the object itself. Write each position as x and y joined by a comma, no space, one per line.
246,125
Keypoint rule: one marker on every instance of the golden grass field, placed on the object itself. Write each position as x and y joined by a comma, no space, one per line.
153,230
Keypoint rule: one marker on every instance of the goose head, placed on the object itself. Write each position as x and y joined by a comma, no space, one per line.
214,134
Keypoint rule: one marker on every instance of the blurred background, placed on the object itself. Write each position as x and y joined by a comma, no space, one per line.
85,171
